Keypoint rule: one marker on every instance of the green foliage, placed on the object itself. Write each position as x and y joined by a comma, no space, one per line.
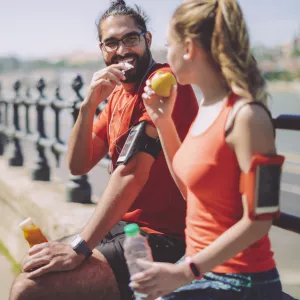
279,75
16,267
296,53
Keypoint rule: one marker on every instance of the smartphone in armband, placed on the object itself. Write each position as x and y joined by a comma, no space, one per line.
267,189
261,185
131,144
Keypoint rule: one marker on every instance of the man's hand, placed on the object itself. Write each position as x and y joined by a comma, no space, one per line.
103,83
50,257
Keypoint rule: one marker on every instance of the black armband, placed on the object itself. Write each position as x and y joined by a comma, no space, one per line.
139,141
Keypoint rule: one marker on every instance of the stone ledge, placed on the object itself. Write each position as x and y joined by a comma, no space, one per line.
44,202
20,197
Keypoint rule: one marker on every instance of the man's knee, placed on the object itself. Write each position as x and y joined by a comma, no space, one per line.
93,279
23,289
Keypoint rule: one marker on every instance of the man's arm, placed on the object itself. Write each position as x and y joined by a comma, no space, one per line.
85,148
124,186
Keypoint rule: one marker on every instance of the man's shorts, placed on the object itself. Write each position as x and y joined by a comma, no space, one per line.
164,249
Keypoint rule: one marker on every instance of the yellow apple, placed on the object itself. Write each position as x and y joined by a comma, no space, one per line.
162,82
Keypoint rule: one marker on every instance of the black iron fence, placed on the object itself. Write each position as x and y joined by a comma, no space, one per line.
78,188
287,221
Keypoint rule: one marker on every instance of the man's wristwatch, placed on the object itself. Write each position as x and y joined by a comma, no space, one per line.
80,246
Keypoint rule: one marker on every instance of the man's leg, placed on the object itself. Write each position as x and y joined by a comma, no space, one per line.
93,279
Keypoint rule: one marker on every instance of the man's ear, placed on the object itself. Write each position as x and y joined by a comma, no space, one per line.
148,37
100,47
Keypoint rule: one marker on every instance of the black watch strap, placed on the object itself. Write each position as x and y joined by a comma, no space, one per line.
80,246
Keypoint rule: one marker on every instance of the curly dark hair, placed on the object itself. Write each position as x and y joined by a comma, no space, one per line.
119,8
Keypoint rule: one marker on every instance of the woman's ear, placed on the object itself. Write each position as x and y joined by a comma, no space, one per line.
189,49
148,37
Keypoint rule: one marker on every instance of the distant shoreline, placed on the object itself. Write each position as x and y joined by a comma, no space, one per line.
284,86
51,73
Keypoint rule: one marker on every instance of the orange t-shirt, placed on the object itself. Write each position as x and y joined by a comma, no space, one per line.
159,207
210,170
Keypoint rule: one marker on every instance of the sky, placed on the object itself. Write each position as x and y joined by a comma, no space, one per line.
39,28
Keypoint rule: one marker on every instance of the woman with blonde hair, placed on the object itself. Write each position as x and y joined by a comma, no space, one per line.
228,253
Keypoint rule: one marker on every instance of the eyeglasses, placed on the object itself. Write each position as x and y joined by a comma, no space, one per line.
128,41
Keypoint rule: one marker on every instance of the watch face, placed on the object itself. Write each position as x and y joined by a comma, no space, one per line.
81,247
76,241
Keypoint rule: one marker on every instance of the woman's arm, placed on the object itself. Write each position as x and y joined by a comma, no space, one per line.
171,142
160,111
252,134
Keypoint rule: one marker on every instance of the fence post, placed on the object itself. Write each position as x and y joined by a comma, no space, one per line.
78,188
41,170
58,147
2,128
28,103
17,159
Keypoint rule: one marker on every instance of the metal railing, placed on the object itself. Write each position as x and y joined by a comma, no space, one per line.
288,221
78,188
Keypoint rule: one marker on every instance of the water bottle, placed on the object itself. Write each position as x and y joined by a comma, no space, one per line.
136,247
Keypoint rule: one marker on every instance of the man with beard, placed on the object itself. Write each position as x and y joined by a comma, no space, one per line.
139,191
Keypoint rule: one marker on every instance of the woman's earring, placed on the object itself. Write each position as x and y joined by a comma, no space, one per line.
185,56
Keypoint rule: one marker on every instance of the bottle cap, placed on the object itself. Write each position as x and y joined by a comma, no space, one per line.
26,223
131,229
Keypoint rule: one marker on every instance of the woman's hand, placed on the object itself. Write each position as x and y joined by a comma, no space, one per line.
158,107
160,279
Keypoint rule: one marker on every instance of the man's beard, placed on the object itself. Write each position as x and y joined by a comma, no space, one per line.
135,74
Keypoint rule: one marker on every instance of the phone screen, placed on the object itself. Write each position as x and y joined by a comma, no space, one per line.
268,186
128,143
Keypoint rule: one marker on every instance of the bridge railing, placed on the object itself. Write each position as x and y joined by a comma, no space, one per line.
78,189
288,221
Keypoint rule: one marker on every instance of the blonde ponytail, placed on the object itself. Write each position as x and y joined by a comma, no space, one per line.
220,28
230,48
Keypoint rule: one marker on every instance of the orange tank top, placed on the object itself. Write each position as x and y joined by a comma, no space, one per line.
209,169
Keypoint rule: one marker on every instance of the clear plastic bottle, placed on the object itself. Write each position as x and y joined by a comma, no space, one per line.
32,233
136,247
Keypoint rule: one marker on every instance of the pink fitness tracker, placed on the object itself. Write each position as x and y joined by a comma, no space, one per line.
193,268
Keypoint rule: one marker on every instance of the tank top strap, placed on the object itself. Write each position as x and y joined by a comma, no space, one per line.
230,128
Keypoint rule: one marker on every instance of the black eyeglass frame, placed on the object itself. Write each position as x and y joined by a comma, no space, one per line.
138,34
